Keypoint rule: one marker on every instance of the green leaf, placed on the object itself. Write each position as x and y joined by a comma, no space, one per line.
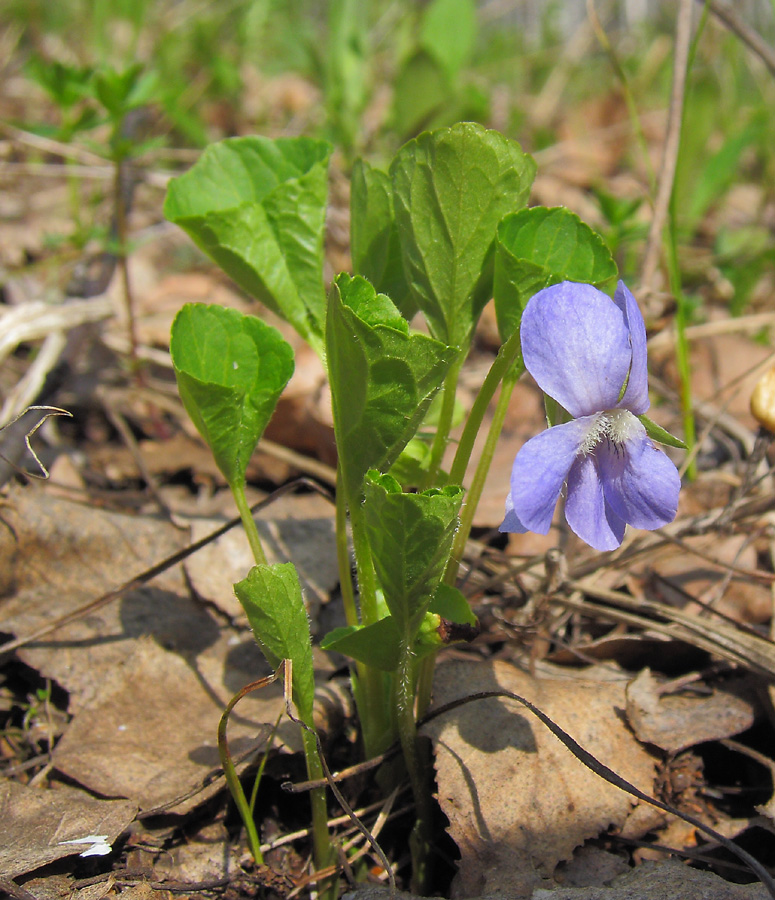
451,188
448,33
377,645
272,600
231,370
451,604
410,536
346,68
66,84
661,435
374,245
422,88
257,207
412,463
382,378
541,246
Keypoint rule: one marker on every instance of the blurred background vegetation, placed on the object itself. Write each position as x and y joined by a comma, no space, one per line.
584,86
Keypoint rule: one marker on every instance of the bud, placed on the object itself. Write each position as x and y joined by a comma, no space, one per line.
763,401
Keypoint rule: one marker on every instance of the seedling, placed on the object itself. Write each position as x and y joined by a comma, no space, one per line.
441,232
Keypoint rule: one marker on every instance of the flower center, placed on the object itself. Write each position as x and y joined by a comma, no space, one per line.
614,425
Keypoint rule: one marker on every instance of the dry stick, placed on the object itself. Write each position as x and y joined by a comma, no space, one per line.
744,31
594,764
15,890
671,146
48,411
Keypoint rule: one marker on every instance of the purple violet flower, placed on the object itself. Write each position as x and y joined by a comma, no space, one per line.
582,349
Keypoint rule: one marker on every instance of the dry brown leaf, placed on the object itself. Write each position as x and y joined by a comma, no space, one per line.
675,722
150,733
208,855
63,555
37,826
518,802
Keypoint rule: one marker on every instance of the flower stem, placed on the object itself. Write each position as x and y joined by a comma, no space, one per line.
474,492
420,839
248,523
444,426
508,354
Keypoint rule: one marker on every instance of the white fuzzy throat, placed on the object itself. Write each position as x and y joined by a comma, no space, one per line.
614,425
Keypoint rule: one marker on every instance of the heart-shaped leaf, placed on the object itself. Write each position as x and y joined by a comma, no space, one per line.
382,378
451,187
410,536
541,246
374,245
231,370
272,599
257,207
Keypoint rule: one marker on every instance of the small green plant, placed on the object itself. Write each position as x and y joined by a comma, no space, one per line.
442,231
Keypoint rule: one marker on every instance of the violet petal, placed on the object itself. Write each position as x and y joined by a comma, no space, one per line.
586,509
636,397
511,521
576,345
540,470
640,482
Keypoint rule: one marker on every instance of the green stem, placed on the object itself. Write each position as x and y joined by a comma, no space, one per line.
248,523
262,766
474,492
343,552
507,356
373,711
681,343
446,415
233,782
320,836
424,691
367,584
420,839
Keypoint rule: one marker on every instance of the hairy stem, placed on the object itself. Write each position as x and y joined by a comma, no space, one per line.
420,839
343,552
374,713
320,837
248,523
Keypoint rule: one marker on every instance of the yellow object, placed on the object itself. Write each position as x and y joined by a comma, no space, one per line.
763,401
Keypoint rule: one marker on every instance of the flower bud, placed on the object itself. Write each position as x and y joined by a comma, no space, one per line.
763,401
